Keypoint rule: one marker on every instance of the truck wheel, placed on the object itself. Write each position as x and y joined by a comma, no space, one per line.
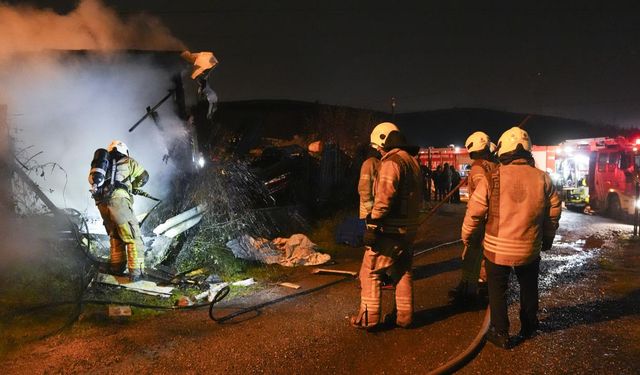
614,210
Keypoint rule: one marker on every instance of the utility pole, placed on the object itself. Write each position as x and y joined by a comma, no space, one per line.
635,215
393,108
6,204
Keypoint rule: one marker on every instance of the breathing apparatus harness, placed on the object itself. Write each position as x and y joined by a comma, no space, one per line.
102,176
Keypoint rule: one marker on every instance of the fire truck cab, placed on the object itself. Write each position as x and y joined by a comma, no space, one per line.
600,172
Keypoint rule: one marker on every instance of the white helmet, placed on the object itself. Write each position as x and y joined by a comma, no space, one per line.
510,140
477,141
119,146
492,147
380,133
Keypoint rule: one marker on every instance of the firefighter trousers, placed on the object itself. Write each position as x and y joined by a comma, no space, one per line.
389,260
498,286
127,248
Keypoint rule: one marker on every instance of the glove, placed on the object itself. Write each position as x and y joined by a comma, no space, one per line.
547,242
369,238
372,222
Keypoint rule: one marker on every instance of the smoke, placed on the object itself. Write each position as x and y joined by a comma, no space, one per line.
63,106
91,26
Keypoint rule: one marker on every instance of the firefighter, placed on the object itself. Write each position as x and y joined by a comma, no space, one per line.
521,208
480,151
114,177
391,229
369,169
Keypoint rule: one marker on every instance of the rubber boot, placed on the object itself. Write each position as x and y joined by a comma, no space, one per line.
499,339
364,320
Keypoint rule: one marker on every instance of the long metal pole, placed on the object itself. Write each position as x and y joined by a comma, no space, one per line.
151,110
443,201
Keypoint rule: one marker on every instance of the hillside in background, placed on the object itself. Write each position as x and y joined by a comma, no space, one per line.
254,121
452,126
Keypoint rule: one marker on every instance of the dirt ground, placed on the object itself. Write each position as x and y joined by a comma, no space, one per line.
590,302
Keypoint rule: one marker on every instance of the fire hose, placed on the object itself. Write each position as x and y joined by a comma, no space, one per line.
472,349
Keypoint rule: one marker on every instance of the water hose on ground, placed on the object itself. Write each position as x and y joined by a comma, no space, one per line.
469,353
245,310
474,347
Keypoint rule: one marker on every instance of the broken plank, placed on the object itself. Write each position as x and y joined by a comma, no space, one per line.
336,272
142,286
290,285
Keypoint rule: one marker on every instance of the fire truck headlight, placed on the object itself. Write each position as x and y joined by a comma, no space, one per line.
201,162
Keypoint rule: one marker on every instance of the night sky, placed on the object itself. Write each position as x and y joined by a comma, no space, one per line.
576,59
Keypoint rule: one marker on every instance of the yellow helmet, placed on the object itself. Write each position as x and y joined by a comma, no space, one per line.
510,140
477,141
380,133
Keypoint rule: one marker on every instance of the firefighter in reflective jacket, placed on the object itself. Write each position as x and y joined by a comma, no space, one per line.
521,209
480,151
114,177
369,168
391,229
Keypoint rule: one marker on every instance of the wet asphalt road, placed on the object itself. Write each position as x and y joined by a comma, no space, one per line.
589,313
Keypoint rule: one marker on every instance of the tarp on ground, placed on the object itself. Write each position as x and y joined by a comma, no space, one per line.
297,250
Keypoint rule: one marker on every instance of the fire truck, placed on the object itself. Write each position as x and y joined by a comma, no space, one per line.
599,172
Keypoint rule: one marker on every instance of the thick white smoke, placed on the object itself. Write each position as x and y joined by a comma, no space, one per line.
66,105
91,26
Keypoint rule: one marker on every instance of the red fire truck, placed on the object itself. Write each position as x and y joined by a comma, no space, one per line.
600,172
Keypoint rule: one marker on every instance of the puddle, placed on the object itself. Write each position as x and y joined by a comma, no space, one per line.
567,261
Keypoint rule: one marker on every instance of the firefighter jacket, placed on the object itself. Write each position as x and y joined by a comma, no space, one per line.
368,173
397,193
521,208
130,175
123,177
479,168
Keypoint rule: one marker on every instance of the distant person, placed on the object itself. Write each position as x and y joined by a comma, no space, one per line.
455,181
479,147
437,181
446,180
391,229
521,209
114,177
426,182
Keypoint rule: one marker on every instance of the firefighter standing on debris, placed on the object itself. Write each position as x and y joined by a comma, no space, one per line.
391,229
521,208
114,177
480,151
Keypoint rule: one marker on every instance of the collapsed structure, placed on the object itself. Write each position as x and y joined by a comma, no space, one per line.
195,172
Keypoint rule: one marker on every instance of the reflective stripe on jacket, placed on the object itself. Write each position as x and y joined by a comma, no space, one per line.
368,173
398,192
521,207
